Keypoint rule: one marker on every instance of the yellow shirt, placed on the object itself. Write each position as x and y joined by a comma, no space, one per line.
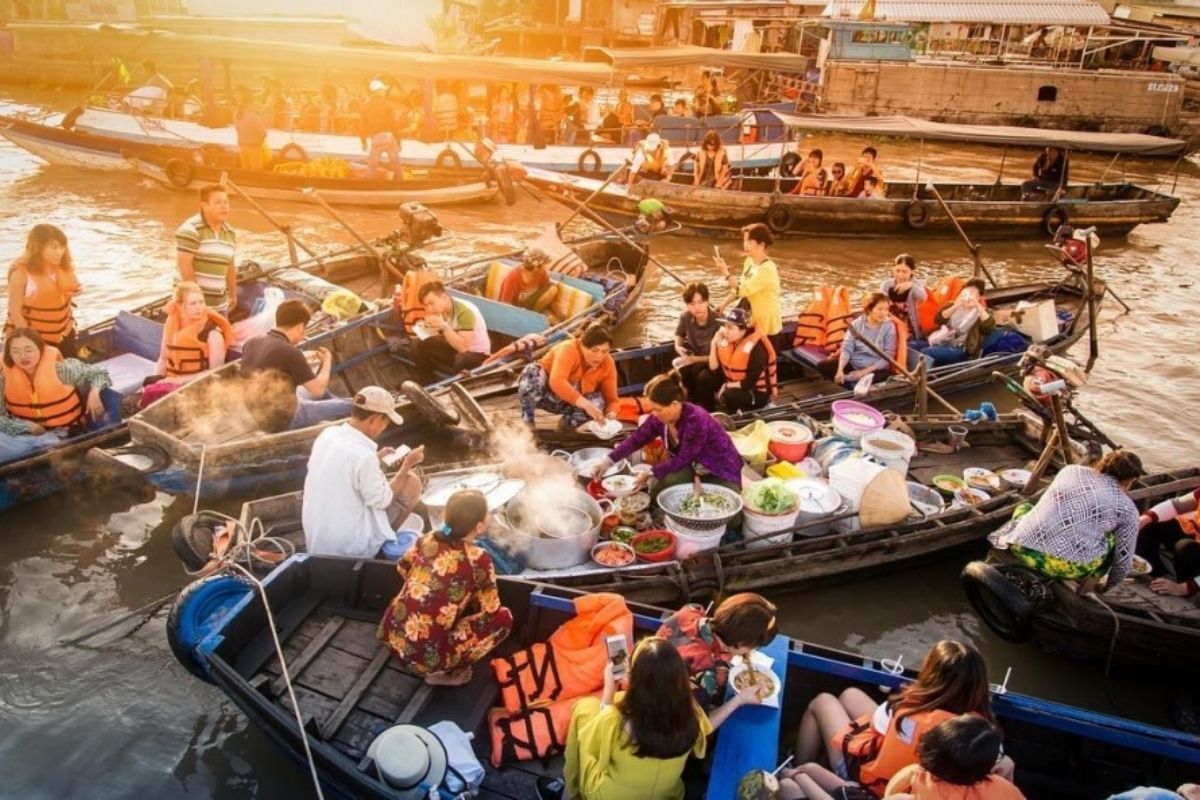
600,760
760,285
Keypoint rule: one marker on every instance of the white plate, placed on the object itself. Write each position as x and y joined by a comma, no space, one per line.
620,485
1016,477
980,478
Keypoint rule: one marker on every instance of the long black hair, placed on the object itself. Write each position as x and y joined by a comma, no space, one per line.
658,705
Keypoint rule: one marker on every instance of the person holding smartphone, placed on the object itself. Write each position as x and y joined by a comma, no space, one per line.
758,283
963,324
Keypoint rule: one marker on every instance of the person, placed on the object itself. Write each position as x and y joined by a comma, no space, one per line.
680,109
459,339
651,160
905,293
529,285
195,338
695,443
308,119
151,96
741,624
502,117
626,115
1085,526
549,113
865,168
205,247
742,359
447,615
572,120
868,743
282,391
960,326
657,109
871,187
589,112
856,361
839,184
41,286
350,507
610,129
1050,175
46,394
759,281
577,379
956,759
712,168
698,324
1187,791
811,174
251,126
379,132
1172,524
633,745
703,104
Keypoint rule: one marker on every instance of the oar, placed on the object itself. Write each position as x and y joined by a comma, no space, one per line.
972,246
384,267
286,230
615,173
900,368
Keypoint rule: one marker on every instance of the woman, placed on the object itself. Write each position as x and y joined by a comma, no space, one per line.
195,338
811,174
839,183
759,281
447,615
633,745
45,392
577,379
868,742
626,115
695,442
529,285
743,360
41,286
856,360
1084,527
712,167
905,293
1172,524
698,325
962,325
741,624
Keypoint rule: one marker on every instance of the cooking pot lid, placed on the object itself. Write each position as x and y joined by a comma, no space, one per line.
814,496
439,494
503,492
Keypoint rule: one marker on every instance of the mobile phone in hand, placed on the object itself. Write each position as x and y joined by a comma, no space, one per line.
717,252
396,456
617,654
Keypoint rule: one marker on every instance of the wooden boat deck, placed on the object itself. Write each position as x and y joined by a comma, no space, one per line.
1135,596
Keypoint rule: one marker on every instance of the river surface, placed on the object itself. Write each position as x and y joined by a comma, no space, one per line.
123,719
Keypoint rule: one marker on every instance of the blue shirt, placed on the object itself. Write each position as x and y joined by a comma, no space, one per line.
856,355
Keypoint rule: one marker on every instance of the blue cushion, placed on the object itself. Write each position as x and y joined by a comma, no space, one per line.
502,318
137,335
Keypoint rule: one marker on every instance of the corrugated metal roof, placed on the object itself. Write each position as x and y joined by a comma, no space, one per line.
1008,12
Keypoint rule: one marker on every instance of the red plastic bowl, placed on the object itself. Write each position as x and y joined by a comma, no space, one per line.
666,554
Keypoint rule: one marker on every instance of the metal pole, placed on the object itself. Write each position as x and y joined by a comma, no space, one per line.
1093,333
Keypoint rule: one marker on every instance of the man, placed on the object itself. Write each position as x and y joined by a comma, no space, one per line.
205,247
589,112
281,390
651,160
251,127
1050,175
380,131
458,337
698,324
529,285
350,507
680,109
866,168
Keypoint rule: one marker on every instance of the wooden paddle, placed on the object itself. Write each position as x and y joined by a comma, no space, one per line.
384,266
916,381
972,246
286,230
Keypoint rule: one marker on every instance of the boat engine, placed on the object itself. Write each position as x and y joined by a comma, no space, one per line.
418,224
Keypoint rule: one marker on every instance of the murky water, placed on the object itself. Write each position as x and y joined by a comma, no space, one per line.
124,719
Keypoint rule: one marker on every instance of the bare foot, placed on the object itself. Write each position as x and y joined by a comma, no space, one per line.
457,677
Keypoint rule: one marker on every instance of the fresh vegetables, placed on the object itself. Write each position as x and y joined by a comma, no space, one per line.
770,496
652,544
623,534
715,505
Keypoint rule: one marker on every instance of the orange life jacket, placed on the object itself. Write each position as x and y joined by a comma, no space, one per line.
187,353
630,408
880,756
536,732
837,319
937,295
410,307
571,662
926,787
1189,523
734,360
48,309
656,159
45,400
823,323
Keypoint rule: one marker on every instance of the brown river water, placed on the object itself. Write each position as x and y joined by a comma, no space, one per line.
122,719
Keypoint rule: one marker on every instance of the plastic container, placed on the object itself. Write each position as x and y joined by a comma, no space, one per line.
852,419
817,501
688,542
756,523
832,449
666,554
626,550
789,441
892,449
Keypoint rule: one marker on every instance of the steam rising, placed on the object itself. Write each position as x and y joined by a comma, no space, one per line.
550,482
218,411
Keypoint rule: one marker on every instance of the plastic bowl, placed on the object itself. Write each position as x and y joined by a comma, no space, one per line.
969,496
947,485
666,554
852,419
620,485
1140,568
628,555
671,499
789,441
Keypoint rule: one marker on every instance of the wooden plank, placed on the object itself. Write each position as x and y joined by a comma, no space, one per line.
333,722
256,654
315,645
415,704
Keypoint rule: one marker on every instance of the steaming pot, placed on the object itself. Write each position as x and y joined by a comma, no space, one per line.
553,536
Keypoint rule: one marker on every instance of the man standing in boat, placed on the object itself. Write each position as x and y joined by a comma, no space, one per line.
380,131
251,127
205,247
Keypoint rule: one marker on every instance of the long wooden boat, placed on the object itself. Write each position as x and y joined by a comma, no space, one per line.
350,688
988,211
233,454
128,344
1129,623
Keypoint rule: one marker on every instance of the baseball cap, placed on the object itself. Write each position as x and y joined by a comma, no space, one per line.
378,400
737,316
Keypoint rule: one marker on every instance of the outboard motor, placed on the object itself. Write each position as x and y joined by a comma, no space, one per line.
1070,245
418,224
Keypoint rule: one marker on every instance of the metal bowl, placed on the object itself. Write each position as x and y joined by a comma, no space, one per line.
671,498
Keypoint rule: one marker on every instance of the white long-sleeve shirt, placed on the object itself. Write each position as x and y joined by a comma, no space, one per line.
346,495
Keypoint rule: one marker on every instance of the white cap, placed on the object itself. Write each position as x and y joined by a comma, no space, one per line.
377,85
653,141
378,400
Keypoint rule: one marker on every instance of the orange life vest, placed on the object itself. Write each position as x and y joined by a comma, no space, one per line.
656,159
926,787
937,295
536,732
630,408
837,319
1189,524
410,307
45,400
48,309
823,323
880,756
734,360
187,353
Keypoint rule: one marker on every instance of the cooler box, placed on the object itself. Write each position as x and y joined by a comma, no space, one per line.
1037,320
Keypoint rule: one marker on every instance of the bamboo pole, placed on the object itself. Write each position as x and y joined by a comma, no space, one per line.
1093,333
615,173
1060,425
384,267
286,230
900,368
972,246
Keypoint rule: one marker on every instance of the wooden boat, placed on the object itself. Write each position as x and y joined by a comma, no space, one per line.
350,688
233,454
1129,623
989,211
128,344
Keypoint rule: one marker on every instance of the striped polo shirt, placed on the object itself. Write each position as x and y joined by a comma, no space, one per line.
212,255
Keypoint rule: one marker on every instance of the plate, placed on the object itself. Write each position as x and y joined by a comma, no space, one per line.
1016,477
635,502
606,430
980,478
970,496
1139,567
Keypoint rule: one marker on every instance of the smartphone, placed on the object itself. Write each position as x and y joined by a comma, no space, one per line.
395,457
617,654
716,252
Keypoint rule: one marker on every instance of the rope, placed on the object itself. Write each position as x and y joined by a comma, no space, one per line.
1112,648
245,545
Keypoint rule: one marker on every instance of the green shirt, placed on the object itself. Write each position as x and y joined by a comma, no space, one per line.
212,256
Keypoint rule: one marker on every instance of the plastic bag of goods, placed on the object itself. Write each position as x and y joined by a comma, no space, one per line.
753,441
262,320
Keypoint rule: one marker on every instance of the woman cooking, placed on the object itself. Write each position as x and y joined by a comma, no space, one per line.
696,443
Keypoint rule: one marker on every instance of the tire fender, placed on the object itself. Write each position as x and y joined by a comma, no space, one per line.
197,613
448,159
787,163
1055,216
686,158
916,214
179,172
778,218
292,152
589,162
68,121
998,602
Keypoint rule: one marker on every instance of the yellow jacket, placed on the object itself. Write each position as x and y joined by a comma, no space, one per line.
760,285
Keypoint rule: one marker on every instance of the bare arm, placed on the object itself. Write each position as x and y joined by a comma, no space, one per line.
187,271
17,280
319,385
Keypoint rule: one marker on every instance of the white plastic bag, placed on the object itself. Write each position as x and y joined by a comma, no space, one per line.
261,321
461,757
862,387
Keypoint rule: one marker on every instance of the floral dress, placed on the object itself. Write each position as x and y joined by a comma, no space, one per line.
707,661
448,614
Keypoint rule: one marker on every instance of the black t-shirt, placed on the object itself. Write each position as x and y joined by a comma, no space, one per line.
272,368
697,339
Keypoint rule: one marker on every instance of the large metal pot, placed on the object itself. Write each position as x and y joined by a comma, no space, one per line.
554,536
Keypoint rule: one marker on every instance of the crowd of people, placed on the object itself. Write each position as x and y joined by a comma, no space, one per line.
813,180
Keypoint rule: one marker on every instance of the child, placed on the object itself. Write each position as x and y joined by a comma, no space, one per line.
957,759
871,187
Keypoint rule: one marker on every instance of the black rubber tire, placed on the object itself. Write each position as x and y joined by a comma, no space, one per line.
192,538
916,214
179,173
998,602
68,121
1055,216
788,163
507,190
182,652
292,152
448,159
428,406
778,218
589,162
